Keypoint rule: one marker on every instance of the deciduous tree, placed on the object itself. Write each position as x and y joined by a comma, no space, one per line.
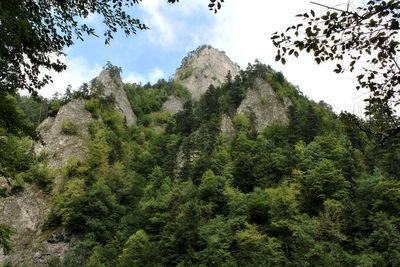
367,38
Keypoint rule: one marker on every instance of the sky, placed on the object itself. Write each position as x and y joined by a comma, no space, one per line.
242,28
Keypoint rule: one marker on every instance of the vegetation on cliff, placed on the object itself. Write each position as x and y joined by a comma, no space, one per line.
174,191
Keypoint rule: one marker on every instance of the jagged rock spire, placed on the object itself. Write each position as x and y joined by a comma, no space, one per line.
205,66
109,82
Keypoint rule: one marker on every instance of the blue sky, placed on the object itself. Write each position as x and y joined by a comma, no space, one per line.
242,29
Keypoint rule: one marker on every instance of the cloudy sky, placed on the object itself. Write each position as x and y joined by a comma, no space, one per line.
242,28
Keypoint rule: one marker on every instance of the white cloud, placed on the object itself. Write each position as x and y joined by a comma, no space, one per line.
152,77
78,71
133,77
155,75
92,18
243,31
169,24
161,30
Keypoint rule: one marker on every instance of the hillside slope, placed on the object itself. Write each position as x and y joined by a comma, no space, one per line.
248,173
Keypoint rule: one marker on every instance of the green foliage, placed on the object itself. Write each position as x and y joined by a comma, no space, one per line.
38,174
15,155
19,165
256,249
218,237
93,106
139,251
54,106
147,99
79,254
174,191
185,74
374,26
5,233
35,110
68,126
241,123
12,120
321,183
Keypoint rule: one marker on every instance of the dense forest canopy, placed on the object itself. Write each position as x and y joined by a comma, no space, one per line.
175,191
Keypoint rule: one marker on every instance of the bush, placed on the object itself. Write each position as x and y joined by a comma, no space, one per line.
186,74
40,175
17,183
68,126
93,106
241,123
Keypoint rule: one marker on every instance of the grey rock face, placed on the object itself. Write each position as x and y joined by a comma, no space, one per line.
226,125
262,103
112,85
173,104
208,66
26,213
28,210
4,186
61,146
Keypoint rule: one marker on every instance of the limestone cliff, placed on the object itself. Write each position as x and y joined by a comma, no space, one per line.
110,83
173,104
261,102
65,136
206,66
58,143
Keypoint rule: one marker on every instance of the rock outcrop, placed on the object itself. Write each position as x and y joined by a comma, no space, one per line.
173,104
26,213
67,136
227,125
262,103
207,66
64,136
59,144
110,83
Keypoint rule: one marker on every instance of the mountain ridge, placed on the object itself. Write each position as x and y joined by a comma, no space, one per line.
66,136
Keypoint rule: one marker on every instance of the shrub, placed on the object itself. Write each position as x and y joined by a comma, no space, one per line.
17,183
93,106
40,175
186,74
241,123
68,126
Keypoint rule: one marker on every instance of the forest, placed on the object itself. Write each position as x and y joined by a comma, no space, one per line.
175,191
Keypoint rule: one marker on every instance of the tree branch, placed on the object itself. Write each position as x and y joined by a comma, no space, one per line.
328,7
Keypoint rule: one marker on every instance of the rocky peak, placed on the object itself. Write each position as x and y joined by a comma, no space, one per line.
109,82
202,67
